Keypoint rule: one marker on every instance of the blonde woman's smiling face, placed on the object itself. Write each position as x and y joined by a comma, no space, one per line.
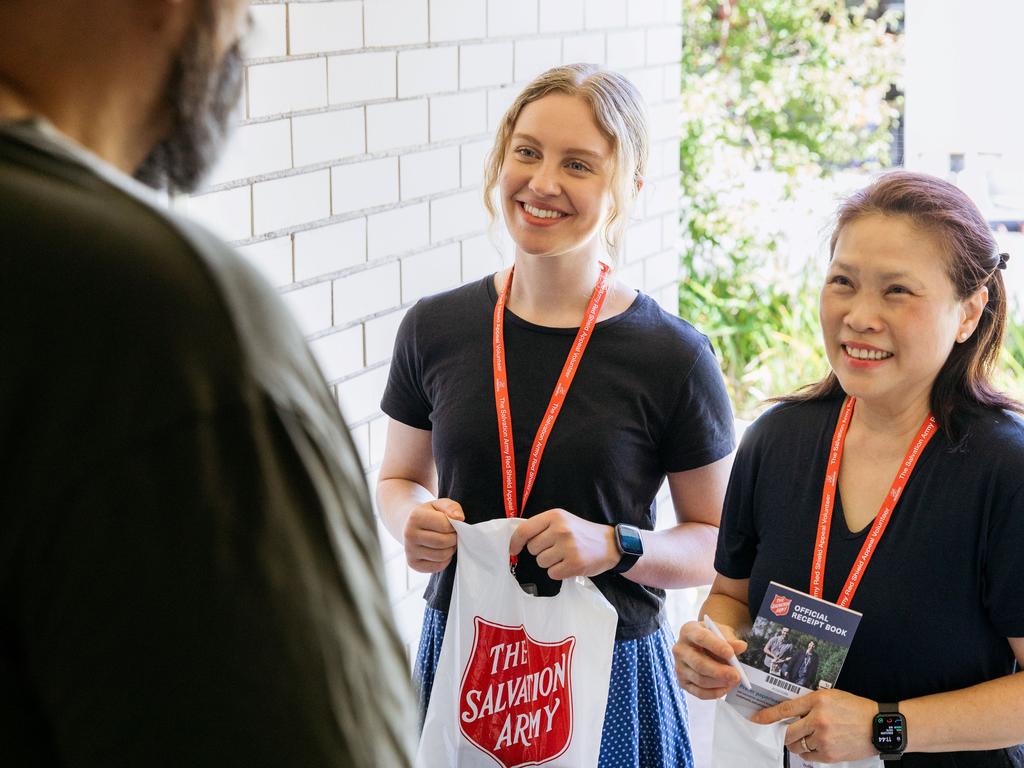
555,180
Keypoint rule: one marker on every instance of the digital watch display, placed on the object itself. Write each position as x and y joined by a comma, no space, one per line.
630,545
889,732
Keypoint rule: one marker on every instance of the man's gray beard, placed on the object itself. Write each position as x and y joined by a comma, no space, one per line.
202,95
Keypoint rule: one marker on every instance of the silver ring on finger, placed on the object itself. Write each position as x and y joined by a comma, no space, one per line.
803,743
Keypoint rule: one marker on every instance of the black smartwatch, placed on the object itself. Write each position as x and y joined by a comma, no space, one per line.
631,546
889,732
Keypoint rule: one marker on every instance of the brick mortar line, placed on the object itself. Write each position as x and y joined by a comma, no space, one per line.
334,329
487,89
399,153
522,37
365,213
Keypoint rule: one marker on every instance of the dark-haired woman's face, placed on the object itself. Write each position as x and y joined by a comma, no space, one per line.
889,312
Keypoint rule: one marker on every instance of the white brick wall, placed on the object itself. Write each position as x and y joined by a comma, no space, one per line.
364,185
424,173
458,115
353,183
485,64
394,22
457,20
361,77
396,125
326,136
321,251
428,70
287,86
561,15
318,27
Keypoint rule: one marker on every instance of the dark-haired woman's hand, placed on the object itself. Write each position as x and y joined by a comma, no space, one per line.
701,665
833,726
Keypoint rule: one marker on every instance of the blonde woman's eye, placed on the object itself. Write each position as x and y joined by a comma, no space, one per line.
576,165
526,152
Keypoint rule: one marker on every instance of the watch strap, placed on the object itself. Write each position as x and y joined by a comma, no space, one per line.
625,563
627,559
891,709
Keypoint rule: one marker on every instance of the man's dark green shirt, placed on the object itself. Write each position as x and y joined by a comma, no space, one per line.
189,567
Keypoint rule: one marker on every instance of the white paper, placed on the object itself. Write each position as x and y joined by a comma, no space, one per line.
795,761
739,742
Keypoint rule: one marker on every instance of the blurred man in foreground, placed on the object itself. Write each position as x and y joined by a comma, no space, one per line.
189,568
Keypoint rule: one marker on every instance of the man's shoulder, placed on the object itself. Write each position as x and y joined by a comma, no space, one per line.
113,282
74,236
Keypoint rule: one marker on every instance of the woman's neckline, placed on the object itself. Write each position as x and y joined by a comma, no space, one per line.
492,292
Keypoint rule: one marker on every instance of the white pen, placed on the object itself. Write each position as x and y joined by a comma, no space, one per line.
732,660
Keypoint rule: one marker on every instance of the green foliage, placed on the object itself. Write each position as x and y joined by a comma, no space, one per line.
791,88
764,334
1009,373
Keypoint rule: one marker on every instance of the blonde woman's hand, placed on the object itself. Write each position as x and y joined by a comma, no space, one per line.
429,537
566,545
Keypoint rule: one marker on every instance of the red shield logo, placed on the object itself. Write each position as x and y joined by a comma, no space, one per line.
516,698
780,605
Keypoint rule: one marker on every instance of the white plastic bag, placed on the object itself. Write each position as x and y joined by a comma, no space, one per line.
739,742
868,762
521,680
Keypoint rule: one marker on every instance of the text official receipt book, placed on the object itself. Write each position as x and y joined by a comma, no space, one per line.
798,644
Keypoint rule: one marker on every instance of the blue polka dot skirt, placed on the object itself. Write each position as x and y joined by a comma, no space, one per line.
645,721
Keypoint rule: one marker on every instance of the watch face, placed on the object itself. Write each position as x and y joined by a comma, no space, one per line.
629,540
888,732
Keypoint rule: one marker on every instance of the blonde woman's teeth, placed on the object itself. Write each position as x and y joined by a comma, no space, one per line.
867,354
540,213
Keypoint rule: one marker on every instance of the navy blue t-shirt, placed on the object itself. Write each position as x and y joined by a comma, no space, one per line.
942,592
648,398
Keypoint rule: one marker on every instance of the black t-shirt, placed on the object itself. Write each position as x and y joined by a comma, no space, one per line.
942,592
648,398
189,568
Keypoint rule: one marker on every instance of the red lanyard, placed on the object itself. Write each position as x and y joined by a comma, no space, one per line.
828,497
572,361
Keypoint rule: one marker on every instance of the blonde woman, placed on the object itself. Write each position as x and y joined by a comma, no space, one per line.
647,402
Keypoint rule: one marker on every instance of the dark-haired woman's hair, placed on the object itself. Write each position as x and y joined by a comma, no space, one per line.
962,385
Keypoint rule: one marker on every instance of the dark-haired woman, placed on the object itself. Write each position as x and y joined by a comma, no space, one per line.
912,311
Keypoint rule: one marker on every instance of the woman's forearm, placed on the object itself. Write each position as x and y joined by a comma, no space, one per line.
677,557
984,716
728,611
396,498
